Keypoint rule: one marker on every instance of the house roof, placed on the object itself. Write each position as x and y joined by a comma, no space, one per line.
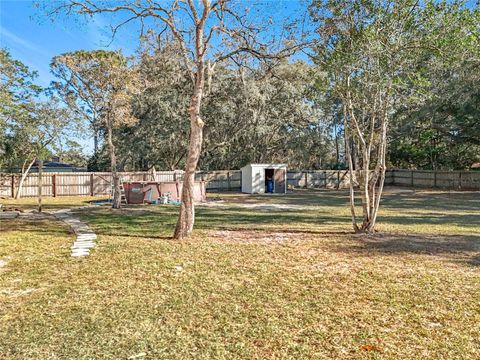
54,164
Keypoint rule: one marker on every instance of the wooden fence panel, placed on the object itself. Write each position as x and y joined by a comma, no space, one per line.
102,184
30,185
221,180
402,177
72,184
295,178
469,180
389,177
5,185
99,183
318,178
466,180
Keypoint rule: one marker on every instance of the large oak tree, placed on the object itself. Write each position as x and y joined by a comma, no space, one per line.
208,33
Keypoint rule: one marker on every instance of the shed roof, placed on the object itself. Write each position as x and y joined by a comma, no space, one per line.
266,165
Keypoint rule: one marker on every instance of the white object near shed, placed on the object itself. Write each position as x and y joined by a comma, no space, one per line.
255,177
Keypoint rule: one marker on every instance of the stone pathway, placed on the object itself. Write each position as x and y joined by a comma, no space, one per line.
85,236
8,214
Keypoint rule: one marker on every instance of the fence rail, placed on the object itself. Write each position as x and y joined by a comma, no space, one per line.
99,183
465,180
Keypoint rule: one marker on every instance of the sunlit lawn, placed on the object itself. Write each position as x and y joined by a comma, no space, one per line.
49,203
269,282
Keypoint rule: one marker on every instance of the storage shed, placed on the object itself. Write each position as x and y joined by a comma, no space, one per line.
256,178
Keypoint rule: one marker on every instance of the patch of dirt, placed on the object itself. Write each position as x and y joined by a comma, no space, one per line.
214,203
252,236
254,206
391,190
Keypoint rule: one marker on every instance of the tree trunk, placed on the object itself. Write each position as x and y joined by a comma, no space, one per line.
22,179
351,172
382,153
95,142
40,184
337,149
186,217
116,202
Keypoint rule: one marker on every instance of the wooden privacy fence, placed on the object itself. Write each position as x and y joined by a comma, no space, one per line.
74,183
464,180
99,183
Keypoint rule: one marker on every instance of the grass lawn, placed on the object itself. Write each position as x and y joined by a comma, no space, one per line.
49,203
263,277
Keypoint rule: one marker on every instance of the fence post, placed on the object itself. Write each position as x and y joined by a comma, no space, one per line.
435,179
306,180
228,181
13,186
91,185
411,178
54,185
175,175
459,179
338,179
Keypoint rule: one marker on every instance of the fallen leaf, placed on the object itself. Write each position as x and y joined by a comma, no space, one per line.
368,347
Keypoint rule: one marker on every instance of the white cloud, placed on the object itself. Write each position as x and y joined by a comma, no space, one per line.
21,42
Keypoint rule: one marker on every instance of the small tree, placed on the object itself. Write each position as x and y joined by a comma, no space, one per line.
76,87
98,84
45,125
376,55
29,126
17,93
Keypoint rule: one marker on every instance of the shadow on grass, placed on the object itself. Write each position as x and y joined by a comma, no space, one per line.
162,220
311,197
407,218
439,201
434,200
47,227
459,248
406,210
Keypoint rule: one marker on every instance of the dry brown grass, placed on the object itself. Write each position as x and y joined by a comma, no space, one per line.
252,284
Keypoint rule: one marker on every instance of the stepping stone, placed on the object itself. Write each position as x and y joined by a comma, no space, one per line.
84,242
60,215
8,214
83,246
84,235
80,252
89,237
82,231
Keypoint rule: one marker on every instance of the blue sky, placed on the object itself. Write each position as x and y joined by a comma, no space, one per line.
34,39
